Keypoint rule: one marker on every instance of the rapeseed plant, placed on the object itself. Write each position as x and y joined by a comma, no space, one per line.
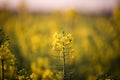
62,44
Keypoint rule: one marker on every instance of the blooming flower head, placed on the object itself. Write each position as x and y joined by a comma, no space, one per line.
62,41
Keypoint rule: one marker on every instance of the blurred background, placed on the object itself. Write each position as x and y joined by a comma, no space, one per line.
94,25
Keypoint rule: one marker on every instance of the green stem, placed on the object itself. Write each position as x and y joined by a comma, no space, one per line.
2,62
64,70
64,62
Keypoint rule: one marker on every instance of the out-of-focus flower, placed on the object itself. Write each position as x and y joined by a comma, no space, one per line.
47,75
33,76
21,77
8,59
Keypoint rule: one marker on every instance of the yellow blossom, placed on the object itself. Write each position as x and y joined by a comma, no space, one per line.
62,41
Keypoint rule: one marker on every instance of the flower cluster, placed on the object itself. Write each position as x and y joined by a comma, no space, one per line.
5,53
4,50
62,41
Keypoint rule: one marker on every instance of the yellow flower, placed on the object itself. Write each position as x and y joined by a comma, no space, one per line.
33,76
61,41
55,34
47,74
21,77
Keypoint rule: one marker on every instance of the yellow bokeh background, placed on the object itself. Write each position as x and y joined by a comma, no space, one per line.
96,41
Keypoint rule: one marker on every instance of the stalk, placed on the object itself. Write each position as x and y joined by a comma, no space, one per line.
2,62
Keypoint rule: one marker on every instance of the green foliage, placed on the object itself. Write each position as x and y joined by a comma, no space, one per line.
106,76
23,74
